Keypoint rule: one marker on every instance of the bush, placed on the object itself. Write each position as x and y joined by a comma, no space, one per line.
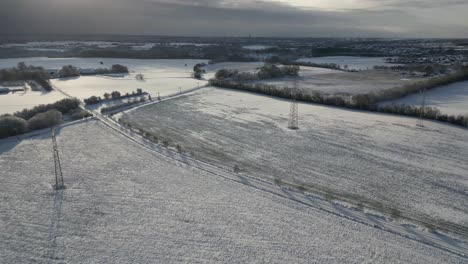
12,126
80,114
115,94
69,71
93,100
117,68
44,120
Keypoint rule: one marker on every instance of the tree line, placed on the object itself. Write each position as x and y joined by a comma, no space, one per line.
24,72
268,71
113,95
39,117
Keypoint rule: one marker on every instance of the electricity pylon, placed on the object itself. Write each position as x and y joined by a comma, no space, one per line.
294,109
59,185
420,122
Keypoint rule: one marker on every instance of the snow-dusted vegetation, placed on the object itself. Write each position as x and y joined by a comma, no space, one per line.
332,82
451,99
383,160
126,204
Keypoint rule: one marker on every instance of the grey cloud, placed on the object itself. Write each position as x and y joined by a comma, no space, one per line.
216,18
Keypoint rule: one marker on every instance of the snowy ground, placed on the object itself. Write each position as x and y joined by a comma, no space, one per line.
332,82
354,63
451,99
125,204
12,102
160,76
321,80
369,157
211,69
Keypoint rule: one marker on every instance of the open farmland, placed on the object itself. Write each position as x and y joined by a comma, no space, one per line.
126,204
451,99
12,102
322,80
376,159
333,82
251,67
160,76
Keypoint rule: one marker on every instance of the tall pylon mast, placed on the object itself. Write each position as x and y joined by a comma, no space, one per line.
294,108
59,184
420,122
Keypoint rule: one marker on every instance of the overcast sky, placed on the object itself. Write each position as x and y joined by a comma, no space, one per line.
300,18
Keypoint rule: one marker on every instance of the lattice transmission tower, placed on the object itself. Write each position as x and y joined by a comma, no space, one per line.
294,108
59,184
420,122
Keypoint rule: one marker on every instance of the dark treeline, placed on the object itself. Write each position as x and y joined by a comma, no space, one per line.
64,106
39,117
127,104
23,72
268,71
113,95
360,102
72,71
215,53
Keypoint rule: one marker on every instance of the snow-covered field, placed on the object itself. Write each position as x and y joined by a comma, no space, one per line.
160,76
332,82
251,67
321,80
354,63
124,204
369,157
12,102
451,99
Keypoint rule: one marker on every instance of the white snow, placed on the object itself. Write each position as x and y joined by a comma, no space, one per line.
376,157
451,99
124,204
12,102
330,82
211,69
160,76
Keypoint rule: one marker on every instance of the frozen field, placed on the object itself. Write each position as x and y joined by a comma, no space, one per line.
451,99
354,63
374,158
160,76
10,103
251,67
332,82
124,204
